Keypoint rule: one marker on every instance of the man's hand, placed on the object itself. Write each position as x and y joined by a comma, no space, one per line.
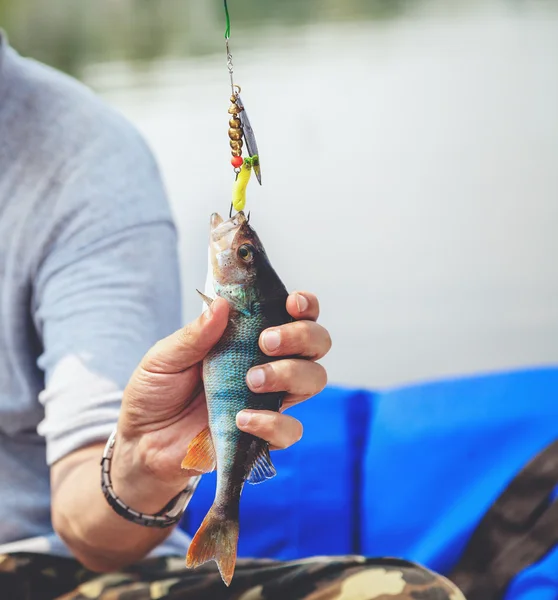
164,404
162,411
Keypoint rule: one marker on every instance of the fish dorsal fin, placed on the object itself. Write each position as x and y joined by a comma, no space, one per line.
206,299
201,453
263,467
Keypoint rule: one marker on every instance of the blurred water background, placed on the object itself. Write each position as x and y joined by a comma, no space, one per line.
409,158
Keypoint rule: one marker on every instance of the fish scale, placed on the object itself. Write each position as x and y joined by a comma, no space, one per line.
227,394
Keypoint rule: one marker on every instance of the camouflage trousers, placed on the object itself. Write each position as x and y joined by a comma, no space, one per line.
42,577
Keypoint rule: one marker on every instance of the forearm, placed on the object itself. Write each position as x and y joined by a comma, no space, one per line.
97,536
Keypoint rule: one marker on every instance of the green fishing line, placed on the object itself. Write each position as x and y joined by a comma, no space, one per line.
228,29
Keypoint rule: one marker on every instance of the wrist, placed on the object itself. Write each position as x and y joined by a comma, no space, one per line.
135,481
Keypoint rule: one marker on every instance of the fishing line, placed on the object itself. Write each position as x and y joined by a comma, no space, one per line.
240,133
227,37
228,29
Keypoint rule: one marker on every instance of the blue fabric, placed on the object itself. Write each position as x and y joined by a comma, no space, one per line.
440,454
406,472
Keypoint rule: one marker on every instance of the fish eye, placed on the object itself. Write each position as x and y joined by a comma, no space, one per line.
246,252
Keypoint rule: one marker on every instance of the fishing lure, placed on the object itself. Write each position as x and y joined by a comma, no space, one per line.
240,132
241,182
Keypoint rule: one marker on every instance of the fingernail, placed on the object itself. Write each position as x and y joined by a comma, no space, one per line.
271,340
243,418
301,303
256,377
208,313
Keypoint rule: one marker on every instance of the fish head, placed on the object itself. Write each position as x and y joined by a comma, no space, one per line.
237,254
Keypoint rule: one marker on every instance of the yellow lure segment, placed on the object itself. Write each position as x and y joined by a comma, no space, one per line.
239,187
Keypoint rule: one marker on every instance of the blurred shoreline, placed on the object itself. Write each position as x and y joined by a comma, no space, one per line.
409,172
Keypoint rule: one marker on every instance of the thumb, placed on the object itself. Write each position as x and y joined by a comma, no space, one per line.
189,345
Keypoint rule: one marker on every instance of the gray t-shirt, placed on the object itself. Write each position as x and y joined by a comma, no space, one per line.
88,282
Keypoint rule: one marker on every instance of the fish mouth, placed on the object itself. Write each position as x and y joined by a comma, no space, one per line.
224,232
221,240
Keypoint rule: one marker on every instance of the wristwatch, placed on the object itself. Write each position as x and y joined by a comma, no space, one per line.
168,516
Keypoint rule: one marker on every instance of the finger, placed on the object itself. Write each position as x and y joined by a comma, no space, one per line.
303,305
291,375
299,338
281,431
188,345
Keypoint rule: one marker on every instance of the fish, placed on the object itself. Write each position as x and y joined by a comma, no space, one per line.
244,276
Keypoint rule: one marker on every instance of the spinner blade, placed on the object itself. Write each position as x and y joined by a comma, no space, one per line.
250,138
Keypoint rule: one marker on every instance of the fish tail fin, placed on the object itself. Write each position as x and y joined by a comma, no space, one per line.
216,539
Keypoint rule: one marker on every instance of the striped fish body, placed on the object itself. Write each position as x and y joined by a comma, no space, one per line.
224,370
257,298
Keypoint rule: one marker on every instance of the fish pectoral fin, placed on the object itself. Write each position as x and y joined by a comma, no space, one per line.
263,468
206,299
201,453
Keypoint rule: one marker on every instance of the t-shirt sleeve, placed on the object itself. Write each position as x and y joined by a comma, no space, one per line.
106,289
